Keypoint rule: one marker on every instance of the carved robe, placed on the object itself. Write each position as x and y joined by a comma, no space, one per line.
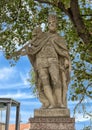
50,46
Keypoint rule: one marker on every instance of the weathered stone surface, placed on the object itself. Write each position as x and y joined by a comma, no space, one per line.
52,113
54,123
49,56
52,119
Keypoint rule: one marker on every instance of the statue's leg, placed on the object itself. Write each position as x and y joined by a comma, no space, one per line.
42,97
64,89
44,100
57,86
44,76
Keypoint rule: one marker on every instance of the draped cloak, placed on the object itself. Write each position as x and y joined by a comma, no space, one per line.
59,45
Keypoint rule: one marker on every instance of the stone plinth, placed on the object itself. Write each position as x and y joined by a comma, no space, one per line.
52,119
52,113
50,123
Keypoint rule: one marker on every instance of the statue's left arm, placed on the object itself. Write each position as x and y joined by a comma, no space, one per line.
60,47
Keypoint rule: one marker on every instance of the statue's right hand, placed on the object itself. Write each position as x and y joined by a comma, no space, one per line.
66,63
23,53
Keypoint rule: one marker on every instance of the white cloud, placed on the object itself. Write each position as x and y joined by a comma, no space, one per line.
42,26
27,115
80,118
6,73
18,95
87,100
1,53
14,86
89,1
72,102
35,103
24,78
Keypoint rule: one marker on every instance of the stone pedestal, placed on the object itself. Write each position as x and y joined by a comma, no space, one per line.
52,112
52,119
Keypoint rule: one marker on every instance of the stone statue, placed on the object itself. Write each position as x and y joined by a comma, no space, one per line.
49,56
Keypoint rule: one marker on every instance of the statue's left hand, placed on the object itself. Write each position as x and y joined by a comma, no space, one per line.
66,63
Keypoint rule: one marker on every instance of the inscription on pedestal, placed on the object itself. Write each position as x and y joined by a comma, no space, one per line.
52,113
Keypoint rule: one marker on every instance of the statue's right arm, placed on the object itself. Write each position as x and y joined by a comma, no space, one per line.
20,52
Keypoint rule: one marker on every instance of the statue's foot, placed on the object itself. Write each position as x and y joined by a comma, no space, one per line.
60,106
51,106
44,106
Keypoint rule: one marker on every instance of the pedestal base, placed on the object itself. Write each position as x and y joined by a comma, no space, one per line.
49,123
52,119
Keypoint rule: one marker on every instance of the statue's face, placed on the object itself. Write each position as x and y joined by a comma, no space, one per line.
52,25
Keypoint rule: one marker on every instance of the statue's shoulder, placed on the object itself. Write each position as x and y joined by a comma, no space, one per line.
40,36
45,35
60,38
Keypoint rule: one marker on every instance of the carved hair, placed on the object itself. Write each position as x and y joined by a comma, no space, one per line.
52,17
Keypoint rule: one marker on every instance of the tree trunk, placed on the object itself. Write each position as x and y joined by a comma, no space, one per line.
74,14
78,22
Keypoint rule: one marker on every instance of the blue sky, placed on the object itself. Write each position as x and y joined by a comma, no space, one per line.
14,84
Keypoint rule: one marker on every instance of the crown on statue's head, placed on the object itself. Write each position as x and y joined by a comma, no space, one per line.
52,16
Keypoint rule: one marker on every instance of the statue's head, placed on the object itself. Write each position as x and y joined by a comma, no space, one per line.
52,23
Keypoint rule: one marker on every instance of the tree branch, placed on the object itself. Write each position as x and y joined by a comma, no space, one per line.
74,14
86,15
79,103
87,88
83,96
68,11
44,1
78,22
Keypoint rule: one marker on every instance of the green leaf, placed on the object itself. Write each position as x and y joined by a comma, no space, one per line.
66,3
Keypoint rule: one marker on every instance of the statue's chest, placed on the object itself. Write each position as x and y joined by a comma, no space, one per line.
48,50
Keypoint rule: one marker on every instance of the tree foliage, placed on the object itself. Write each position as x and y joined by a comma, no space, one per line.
19,17
87,128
